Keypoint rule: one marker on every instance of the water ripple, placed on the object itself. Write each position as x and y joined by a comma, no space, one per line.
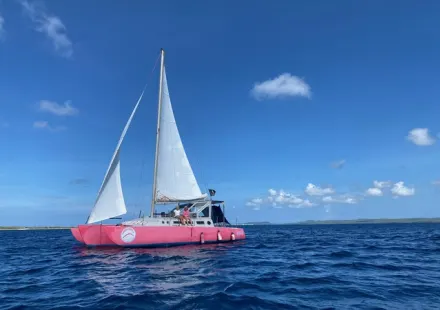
277,267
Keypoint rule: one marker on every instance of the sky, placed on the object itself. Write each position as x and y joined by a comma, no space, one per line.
290,110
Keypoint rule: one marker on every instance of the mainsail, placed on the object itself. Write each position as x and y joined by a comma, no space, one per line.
175,180
110,201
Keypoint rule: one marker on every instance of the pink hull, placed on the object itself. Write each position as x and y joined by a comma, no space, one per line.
77,234
91,235
151,236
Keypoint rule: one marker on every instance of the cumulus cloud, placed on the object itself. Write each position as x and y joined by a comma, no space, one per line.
285,85
374,191
381,184
341,199
51,26
280,198
65,109
254,202
420,136
377,190
283,197
338,164
303,204
327,196
313,190
399,189
272,192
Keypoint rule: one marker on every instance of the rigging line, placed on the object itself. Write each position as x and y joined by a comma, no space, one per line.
143,158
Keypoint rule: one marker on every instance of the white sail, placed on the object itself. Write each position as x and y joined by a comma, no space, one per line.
175,179
110,201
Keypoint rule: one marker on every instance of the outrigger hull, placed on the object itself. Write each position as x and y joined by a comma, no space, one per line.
150,236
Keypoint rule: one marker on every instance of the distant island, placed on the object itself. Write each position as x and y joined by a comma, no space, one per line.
32,227
355,221
372,221
256,223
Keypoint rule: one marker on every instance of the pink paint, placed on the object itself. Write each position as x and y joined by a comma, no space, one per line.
126,236
94,235
77,234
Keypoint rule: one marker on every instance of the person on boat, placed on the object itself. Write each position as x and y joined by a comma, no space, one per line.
178,216
186,218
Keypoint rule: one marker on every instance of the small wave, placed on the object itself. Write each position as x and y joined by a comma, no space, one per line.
342,254
302,265
278,267
228,301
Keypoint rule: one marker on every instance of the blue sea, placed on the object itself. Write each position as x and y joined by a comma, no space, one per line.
377,266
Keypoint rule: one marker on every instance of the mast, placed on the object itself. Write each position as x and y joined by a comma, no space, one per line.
159,110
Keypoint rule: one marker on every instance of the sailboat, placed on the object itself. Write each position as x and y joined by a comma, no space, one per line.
173,183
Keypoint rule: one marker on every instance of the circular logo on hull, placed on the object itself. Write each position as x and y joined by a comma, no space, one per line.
128,234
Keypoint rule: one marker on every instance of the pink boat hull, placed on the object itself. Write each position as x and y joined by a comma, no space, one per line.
77,234
153,236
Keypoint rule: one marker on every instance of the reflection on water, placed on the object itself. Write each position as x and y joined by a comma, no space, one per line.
128,271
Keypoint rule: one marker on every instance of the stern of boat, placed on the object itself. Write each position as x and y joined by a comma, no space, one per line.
94,235
76,233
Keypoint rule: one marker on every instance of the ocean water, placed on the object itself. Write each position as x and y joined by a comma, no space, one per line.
380,266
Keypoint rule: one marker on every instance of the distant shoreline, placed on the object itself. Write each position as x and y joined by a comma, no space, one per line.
355,221
310,222
33,228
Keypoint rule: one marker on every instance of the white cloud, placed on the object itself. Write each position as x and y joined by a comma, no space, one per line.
47,126
305,204
313,190
285,85
436,182
327,199
278,199
297,200
41,124
374,191
399,189
342,199
51,26
65,109
382,184
420,136
272,192
338,164
254,202
2,26
350,200
257,200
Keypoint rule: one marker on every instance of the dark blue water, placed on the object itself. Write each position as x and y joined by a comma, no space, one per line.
385,266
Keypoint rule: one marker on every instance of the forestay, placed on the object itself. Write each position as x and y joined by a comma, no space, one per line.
110,201
175,178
